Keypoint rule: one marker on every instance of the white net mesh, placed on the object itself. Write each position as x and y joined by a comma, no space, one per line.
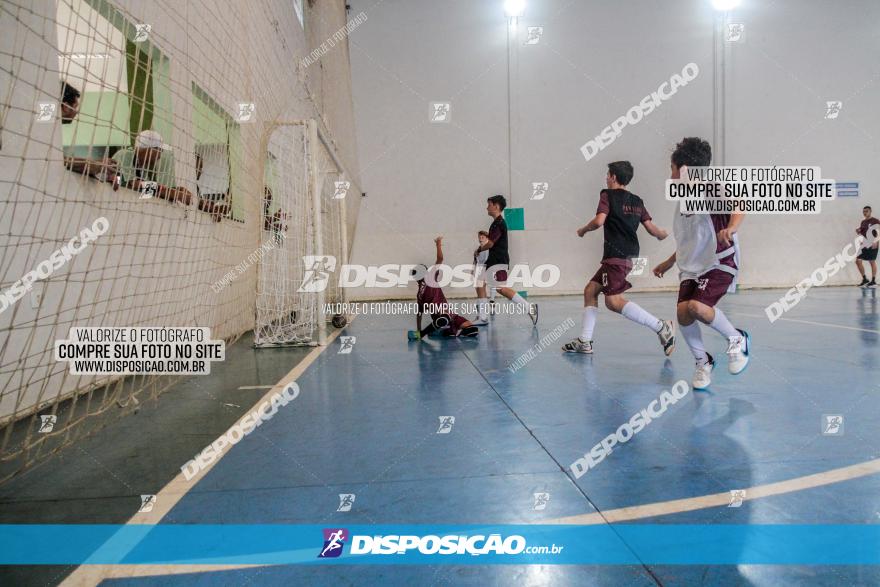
153,116
296,273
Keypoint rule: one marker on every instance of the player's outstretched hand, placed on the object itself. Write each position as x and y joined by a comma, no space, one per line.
439,240
581,232
662,268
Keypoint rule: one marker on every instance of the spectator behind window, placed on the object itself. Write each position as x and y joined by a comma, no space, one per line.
217,209
148,162
101,169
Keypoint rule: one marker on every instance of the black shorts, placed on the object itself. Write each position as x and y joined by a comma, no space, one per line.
869,254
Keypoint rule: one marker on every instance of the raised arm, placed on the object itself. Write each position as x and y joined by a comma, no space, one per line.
439,242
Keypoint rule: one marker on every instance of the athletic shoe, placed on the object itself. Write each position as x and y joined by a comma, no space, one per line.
864,281
872,283
579,346
533,314
738,352
667,337
703,374
469,332
480,322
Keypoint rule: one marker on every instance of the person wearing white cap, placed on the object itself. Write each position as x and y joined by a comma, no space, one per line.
147,162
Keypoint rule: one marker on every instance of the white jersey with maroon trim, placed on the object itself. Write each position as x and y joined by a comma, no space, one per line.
696,246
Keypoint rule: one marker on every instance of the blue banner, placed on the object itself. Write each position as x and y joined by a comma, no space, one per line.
621,544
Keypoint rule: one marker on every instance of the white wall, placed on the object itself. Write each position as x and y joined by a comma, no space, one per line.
595,60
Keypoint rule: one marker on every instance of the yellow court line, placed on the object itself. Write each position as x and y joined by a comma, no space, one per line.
178,487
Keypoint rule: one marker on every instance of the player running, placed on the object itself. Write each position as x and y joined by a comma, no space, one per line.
497,247
705,250
448,323
619,212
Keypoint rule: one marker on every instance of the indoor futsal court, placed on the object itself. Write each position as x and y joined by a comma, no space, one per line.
452,292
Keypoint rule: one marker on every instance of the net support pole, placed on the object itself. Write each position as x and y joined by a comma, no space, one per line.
317,220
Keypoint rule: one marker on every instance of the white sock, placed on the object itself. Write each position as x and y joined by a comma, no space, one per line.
482,308
589,323
492,294
639,315
518,299
723,325
694,339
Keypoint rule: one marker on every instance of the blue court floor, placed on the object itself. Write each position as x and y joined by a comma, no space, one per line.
366,423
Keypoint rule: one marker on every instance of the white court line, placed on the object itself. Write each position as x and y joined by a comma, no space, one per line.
177,488
829,325
256,387
663,508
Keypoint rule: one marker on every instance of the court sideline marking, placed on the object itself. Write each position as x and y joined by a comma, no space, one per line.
178,487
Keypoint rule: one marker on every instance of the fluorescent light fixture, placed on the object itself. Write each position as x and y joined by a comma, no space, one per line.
515,8
725,4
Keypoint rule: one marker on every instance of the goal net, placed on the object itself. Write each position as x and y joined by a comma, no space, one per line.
160,122
303,237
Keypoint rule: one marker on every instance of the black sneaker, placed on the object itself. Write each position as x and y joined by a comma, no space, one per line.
864,281
872,283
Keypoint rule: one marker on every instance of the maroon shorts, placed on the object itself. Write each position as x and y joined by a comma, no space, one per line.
499,279
707,289
455,321
612,278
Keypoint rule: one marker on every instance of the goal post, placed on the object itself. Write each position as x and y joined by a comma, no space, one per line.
303,238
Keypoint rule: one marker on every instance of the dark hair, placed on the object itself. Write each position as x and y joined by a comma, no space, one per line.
69,94
499,199
622,171
867,208
693,152
483,233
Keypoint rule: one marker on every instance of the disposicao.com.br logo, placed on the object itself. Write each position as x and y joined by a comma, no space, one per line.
449,544
320,269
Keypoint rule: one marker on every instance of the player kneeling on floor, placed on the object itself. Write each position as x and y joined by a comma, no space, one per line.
431,297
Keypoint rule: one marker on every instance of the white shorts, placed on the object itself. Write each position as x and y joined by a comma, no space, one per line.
480,274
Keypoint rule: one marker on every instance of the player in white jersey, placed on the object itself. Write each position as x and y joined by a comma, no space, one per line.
706,253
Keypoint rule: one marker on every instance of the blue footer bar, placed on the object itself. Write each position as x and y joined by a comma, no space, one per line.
624,544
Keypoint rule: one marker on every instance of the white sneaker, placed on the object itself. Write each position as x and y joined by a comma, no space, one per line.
584,347
480,322
738,352
667,337
703,374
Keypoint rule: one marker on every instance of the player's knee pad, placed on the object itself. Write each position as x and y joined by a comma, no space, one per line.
441,321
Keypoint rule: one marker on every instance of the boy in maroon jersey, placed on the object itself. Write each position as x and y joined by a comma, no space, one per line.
705,251
869,253
619,213
448,323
